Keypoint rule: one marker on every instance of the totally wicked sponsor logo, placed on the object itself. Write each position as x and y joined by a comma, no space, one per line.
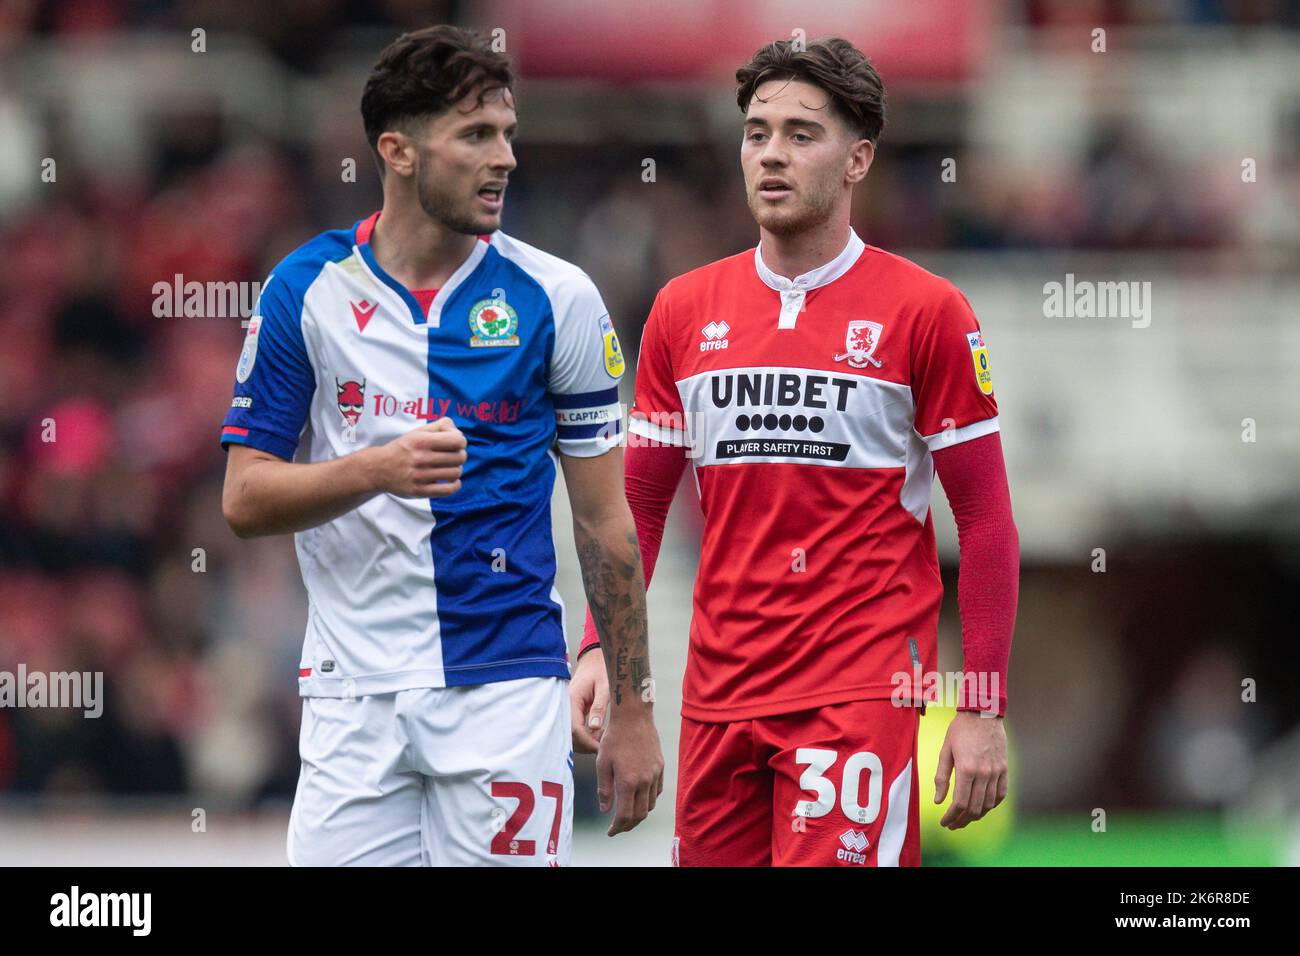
430,408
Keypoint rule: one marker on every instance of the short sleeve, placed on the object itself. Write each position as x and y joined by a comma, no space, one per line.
274,380
586,368
951,381
657,413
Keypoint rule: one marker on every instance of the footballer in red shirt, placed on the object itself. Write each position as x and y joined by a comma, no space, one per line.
816,384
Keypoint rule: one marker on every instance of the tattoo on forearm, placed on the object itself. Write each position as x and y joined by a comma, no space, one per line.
615,588
620,675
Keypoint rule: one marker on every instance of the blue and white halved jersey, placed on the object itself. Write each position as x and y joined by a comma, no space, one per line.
519,351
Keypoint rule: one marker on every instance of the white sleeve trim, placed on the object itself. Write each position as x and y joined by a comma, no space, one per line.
592,447
955,436
659,434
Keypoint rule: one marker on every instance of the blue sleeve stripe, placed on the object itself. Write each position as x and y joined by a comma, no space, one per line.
604,396
570,432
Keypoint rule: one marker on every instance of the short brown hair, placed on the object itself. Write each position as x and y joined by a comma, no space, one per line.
424,73
832,64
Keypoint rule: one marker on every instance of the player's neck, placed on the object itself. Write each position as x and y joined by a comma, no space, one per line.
414,249
794,254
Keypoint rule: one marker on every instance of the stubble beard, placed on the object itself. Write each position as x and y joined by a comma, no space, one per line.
813,209
442,206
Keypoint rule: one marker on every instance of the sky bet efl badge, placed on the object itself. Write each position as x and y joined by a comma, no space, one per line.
613,351
492,322
249,355
981,356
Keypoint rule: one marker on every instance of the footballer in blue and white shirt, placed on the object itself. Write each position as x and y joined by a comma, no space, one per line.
405,392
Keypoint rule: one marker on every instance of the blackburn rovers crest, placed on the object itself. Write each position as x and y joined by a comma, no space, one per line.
493,323
860,344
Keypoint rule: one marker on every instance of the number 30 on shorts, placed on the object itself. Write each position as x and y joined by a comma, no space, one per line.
814,779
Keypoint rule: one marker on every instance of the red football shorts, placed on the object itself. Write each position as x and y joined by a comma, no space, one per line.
833,786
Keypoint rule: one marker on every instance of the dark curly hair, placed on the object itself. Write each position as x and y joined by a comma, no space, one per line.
833,64
424,73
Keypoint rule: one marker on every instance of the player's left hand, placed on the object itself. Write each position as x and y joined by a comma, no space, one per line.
629,768
588,701
977,747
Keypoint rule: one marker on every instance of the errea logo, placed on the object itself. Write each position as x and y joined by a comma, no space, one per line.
715,336
854,842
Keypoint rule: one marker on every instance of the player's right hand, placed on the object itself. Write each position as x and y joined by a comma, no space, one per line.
424,463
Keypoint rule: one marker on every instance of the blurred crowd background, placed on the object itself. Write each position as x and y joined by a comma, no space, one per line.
1164,149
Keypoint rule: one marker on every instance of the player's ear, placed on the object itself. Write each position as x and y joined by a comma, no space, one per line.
861,153
397,151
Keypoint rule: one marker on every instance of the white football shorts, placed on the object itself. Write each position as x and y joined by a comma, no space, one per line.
438,776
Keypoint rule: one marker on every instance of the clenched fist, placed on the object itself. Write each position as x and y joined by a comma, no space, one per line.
424,463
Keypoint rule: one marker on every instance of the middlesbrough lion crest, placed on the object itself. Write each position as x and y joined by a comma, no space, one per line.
860,343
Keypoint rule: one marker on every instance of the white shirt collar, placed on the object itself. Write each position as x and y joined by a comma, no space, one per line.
818,277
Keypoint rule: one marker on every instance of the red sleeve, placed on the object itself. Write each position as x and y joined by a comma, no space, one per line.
657,433
974,478
651,474
657,414
951,382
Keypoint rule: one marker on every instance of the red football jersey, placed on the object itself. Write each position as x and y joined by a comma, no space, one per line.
810,408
